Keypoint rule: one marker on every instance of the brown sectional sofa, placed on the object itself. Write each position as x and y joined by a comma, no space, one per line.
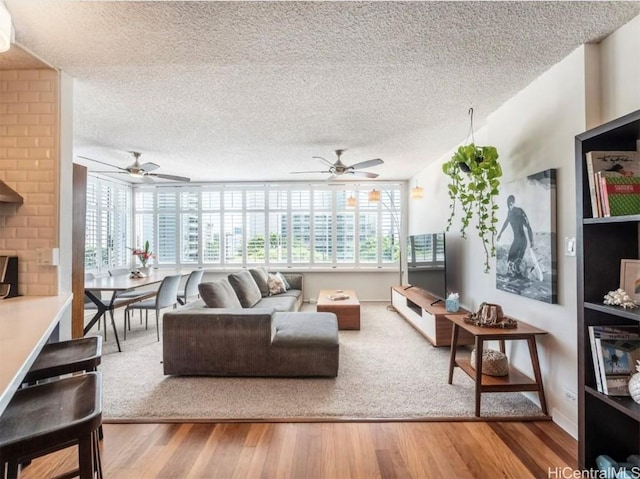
238,330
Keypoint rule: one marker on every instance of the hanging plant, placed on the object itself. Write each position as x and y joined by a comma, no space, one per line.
474,173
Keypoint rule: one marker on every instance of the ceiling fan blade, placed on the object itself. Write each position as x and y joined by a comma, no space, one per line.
363,174
326,161
149,167
367,164
169,177
294,172
102,163
111,172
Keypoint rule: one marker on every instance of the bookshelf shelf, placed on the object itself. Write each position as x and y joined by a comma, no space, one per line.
606,424
625,405
633,314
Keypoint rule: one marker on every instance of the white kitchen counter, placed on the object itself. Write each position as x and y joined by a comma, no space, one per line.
26,322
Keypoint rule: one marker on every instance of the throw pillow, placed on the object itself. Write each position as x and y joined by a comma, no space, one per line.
261,277
219,294
246,288
287,286
276,286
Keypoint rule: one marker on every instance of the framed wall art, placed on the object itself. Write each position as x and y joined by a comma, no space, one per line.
630,277
526,262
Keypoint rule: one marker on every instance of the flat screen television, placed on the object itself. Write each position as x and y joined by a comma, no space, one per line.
426,264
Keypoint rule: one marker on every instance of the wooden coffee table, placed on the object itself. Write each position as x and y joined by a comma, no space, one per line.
347,310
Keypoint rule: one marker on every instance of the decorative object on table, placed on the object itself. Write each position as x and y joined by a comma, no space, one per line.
136,273
630,277
619,297
494,363
526,257
634,384
490,316
338,296
144,255
452,303
474,173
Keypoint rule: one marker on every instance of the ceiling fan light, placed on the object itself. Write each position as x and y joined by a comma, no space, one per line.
136,174
417,192
6,29
374,195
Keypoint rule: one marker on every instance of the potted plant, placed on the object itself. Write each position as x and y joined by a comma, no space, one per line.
144,255
474,173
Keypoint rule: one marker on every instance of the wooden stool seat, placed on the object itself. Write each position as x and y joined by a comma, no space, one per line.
65,357
51,416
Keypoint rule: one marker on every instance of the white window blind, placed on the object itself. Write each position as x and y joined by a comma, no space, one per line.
108,225
280,224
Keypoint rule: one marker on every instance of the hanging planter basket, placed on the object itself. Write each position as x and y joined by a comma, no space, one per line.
474,173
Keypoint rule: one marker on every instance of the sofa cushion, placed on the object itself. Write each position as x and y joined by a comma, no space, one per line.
287,286
278,302
292,330
246,288
261,277
276,285
219,294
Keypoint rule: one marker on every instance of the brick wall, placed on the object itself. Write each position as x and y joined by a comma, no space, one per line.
29,163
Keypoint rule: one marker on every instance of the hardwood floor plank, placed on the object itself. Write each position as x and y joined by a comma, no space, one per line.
409,450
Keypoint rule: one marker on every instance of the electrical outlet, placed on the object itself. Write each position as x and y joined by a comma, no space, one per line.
569,395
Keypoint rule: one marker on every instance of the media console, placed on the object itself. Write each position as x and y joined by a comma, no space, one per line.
427,315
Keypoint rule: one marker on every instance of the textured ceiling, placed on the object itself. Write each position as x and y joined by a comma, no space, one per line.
228,91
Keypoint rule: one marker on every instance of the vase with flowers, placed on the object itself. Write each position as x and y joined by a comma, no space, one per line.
143,255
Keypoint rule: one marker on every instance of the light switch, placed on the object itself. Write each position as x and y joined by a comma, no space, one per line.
48,256
570,246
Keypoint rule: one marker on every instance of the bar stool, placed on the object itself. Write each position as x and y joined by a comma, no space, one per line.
66,357
51,416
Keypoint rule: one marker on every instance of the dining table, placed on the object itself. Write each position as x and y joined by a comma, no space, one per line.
112,285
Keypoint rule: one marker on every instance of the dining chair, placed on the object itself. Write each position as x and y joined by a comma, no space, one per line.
142,294
190,286
167,296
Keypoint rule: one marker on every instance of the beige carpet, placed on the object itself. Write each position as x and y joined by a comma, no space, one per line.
387,371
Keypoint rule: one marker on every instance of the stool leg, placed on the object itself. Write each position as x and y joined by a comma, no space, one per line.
85,456
97,461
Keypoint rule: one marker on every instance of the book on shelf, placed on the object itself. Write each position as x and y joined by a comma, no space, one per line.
620,195
609,333
621,163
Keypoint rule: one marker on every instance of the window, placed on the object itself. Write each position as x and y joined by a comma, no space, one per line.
108,225
287,225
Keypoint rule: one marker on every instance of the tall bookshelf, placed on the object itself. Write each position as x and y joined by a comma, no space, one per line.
606,424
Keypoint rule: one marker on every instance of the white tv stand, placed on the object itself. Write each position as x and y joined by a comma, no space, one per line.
427,315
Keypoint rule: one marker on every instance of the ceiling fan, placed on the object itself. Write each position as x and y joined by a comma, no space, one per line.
137,170
338,168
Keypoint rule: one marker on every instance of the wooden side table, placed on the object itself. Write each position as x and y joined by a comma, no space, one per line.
515,381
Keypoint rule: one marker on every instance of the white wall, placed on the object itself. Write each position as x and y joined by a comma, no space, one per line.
534,131
620,71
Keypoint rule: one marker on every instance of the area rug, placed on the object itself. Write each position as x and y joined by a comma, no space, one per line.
387,371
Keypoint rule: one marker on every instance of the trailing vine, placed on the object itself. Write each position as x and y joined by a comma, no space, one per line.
474,173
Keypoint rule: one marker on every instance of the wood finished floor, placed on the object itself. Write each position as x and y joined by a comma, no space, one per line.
326,450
